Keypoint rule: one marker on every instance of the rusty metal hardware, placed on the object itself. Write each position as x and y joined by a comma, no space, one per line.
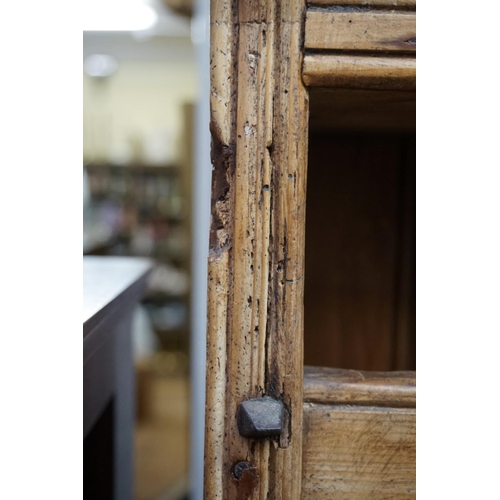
240,468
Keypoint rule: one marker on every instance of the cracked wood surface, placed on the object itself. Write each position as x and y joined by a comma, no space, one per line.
259,116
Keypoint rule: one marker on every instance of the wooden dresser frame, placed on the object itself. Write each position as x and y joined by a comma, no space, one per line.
346,432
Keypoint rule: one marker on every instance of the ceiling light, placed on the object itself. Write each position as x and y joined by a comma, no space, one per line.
100,65
117,15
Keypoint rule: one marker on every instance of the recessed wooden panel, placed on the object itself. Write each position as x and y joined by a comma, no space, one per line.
355,252
358,453
364,31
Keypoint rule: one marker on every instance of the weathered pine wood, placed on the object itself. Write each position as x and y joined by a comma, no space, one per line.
359,72
222,108
356,452
390,4
259,109
359,435
352,387
361,31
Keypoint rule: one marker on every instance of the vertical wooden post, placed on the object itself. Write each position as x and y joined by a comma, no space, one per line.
259,120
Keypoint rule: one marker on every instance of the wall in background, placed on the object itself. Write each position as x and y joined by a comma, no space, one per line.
136,113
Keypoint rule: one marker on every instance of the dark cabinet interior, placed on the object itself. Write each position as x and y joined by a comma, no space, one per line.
360,232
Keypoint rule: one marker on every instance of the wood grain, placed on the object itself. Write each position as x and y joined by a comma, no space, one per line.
358,453
359,72
256,262
352,387
363,31
393,4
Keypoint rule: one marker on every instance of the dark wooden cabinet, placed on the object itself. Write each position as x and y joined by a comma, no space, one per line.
112,286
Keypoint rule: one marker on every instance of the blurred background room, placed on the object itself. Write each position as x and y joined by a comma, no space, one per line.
147,177
141,88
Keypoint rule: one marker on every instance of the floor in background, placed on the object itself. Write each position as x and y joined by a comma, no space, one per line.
162,435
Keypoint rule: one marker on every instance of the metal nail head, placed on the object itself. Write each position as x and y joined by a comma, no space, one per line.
260,417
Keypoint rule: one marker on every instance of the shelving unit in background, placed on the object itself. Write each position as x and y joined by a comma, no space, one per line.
140,210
